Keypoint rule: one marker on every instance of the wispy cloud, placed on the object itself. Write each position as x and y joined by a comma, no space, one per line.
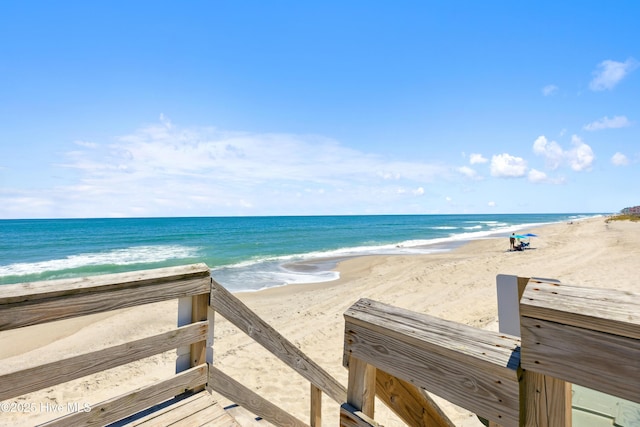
469,172
608,123
537,176
609,73
549,90
619,159
163,169
475,158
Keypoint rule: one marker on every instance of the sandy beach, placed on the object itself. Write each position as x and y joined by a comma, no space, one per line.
457,285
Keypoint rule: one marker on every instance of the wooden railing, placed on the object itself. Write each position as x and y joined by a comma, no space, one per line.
231,308
199,298
42,302
570,334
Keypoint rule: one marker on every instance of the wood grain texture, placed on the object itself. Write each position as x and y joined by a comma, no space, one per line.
316,406
123,406
248,399
481,345
545,401
246,320
352,417
410,403
37,303
199,313
605,362
36,378
472,368
31,291
361,391
605,310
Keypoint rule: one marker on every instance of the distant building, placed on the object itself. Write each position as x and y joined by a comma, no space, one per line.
631,211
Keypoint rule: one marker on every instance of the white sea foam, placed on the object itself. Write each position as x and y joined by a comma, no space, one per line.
125,256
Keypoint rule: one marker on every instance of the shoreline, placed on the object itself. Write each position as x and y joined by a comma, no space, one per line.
457,285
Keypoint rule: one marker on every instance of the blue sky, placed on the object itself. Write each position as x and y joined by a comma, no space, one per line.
216,108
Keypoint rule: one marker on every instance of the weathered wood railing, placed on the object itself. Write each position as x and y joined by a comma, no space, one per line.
42,302
199,298
570,334
231,308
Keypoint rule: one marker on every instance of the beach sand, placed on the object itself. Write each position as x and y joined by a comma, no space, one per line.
457,285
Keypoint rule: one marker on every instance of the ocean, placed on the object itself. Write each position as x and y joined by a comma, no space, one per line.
244,253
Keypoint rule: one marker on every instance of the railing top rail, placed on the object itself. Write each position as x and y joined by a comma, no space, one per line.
585,336
472,368
32,291
605,310
40,302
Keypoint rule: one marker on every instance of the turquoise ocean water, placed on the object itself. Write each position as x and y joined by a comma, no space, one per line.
244,253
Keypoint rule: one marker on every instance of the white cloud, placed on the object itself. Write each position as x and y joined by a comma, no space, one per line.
550,150
607,123
581,156
475,158
609,73
537,176
549,90
491,204
163,169
508,166
619,159
469,172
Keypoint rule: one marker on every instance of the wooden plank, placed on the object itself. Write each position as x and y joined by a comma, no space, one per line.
248,399
352,417
36,378
174,412
199,313
605,310
241,316
410,403
472,368
477,344
200,409
212,415
316,407
544,401
96,295
361,391
32,291
601,361
131,403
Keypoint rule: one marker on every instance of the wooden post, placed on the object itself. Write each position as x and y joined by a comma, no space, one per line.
544,401
183,354
316,406
190,310
361,390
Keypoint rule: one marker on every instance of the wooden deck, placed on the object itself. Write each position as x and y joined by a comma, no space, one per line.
199,409
391,353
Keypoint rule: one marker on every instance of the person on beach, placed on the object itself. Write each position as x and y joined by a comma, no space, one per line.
512,241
